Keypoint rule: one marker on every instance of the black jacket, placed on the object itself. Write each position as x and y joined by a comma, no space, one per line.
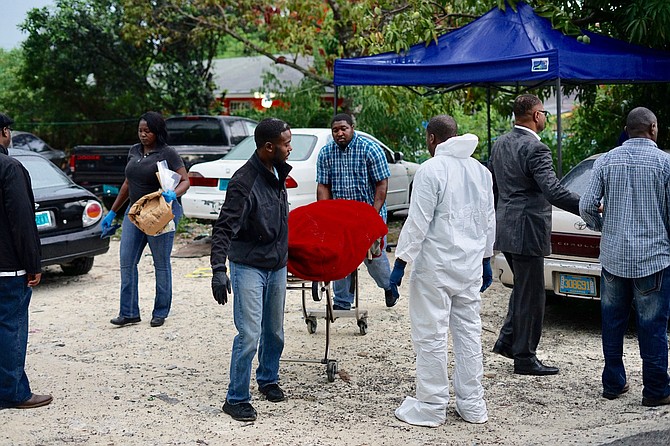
19,241
252,227
526,186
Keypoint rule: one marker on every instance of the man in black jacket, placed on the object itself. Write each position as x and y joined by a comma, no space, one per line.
526,187
252,232
20,269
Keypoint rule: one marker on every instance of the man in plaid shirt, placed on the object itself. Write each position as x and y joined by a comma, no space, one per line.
353,167
633,182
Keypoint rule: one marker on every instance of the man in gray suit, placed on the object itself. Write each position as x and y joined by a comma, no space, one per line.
526,186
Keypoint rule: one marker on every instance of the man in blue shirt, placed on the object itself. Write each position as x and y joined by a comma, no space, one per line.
353,167
633,182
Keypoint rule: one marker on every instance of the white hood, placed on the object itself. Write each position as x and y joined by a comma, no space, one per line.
458,146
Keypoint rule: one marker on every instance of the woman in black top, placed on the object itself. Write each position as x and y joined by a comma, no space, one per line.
140,180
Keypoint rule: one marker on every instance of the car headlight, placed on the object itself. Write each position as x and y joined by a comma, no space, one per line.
92,213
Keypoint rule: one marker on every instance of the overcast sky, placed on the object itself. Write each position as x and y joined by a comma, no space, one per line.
14,13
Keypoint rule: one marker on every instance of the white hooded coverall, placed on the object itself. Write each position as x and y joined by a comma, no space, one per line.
449,230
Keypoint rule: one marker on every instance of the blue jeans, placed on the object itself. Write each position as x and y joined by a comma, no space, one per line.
650,297
133,242
378,268
258,312
14,300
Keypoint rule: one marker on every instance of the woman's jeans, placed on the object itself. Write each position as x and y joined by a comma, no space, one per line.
258,312
133,242
650,296
14,301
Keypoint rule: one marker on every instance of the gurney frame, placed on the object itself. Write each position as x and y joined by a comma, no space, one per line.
319,291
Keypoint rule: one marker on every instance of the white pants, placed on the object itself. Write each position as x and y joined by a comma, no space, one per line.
435,308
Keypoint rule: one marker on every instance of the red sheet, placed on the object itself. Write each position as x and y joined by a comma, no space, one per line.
328,239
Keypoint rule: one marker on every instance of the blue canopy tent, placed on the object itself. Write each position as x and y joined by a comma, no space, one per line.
509,48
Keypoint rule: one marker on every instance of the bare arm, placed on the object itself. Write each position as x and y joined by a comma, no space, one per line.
122,197
323,192
380,193
184,184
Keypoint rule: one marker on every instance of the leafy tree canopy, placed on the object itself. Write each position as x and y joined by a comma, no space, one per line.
82,63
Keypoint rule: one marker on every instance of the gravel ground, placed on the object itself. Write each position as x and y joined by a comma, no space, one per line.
139,385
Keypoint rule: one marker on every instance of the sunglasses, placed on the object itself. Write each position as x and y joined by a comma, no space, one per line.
544,112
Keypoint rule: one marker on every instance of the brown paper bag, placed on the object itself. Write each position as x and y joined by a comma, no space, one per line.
151,213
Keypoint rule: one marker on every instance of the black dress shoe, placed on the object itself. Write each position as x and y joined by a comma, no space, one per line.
502,350
157,321
533,366
121,321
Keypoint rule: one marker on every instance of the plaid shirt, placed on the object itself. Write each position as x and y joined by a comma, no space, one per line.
634,182
353,172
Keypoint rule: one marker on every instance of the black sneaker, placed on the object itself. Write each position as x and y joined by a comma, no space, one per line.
392,295
241,411
273,392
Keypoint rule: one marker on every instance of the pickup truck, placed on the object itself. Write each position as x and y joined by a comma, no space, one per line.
197,138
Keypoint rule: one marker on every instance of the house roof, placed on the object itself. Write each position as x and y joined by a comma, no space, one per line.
245,75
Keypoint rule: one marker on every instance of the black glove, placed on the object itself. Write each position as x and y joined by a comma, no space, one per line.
221,287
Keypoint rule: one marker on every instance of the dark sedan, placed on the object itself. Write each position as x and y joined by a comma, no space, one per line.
28,141
67,216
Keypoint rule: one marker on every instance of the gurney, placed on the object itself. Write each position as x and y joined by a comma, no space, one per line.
327,240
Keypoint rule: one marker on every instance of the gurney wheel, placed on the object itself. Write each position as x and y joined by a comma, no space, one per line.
331,370
311,325
363,326
316,292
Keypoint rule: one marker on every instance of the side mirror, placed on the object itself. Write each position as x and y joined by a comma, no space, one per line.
398,156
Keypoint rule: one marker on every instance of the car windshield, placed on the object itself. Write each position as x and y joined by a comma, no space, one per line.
43,173
27,141
302,145
195,131
578,178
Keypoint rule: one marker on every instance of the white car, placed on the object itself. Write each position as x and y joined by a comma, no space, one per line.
573,268
209,181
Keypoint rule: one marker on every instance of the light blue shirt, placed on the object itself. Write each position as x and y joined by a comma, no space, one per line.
633,181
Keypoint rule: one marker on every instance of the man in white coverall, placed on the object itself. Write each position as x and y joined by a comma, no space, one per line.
448,236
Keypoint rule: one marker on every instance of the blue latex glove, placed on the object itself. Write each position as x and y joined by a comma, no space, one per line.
169,195
108,228
108,220
487,274
398,272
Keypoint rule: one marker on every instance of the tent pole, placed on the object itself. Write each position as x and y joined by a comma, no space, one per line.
335,101
559,128
488,119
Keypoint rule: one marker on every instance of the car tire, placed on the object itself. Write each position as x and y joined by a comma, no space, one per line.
77,267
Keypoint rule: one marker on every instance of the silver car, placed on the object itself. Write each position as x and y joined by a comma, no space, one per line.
573,268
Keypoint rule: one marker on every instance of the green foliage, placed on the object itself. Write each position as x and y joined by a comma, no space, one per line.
80,65
107,61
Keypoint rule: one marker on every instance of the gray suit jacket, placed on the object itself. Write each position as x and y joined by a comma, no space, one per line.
526,186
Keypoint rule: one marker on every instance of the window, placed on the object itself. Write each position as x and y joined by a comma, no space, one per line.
236,106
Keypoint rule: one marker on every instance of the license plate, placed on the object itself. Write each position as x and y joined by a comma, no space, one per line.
223,184
43,219
581,285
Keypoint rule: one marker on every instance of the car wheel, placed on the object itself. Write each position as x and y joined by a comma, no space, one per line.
78,266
